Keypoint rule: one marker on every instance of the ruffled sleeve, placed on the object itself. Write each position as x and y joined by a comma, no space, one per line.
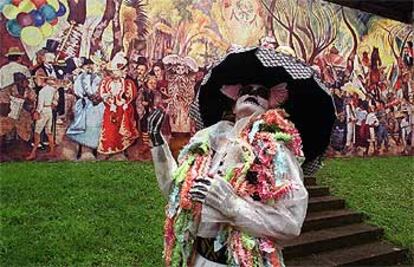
164,165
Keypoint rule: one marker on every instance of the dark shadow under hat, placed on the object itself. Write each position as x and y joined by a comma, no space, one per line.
142,61
18,76
86,61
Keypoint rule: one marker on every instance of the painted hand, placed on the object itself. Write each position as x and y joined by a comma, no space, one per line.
201,188
155,120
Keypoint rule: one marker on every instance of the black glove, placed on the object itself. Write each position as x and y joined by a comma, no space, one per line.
155,120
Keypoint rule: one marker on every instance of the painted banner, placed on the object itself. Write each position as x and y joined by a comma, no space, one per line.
78,78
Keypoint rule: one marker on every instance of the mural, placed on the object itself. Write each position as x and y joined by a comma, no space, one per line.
78,78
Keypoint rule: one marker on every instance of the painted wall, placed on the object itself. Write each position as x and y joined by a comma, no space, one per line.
366,60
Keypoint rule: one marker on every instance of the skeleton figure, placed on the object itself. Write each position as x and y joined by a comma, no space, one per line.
220,204
181,81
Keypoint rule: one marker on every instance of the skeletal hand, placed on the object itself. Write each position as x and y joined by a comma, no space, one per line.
201,188
155,120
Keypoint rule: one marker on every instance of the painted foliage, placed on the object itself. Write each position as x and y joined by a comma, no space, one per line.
78,78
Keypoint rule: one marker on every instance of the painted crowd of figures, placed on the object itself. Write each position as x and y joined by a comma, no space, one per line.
374,108
86,109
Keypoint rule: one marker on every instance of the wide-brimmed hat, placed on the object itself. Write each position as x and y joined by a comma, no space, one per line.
97,58
177,60
14,51
118,62
399,114
309,103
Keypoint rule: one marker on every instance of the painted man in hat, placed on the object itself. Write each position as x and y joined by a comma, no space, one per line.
46,67
148,97
142,102
141,71
119,129
14,57
17,102
47,102
224,169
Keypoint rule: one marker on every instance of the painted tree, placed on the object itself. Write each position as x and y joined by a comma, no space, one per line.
186,21
397,36
135,25
167,19
77,11
112,15
270,28
308,26
116,29
185,26
351,57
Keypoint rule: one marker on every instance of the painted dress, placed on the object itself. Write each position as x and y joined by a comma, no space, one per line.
119,128
85,129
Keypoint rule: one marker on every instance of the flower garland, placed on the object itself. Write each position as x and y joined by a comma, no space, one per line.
261,176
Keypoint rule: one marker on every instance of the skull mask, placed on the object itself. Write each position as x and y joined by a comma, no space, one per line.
253,98
180,69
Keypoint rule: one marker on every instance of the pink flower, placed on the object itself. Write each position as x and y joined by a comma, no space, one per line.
281,191
185,199
266,246
243,256
169,240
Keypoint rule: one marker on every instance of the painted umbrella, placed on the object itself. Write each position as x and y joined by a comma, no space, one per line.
309,104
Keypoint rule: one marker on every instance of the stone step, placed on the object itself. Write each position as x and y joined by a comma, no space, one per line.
379,253
309,180
324,203
330,238
331,218
317,191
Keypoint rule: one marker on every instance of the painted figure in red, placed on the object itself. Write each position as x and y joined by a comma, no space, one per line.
119,129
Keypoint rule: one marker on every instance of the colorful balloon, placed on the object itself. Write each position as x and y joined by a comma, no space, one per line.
48,12
26,6
31,36
54,21
46,30
13,28
38,18
54,4
24,19
39,3
10,11
3,3
16,2
62,10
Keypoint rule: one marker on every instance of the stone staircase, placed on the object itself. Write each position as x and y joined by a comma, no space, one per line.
335,236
